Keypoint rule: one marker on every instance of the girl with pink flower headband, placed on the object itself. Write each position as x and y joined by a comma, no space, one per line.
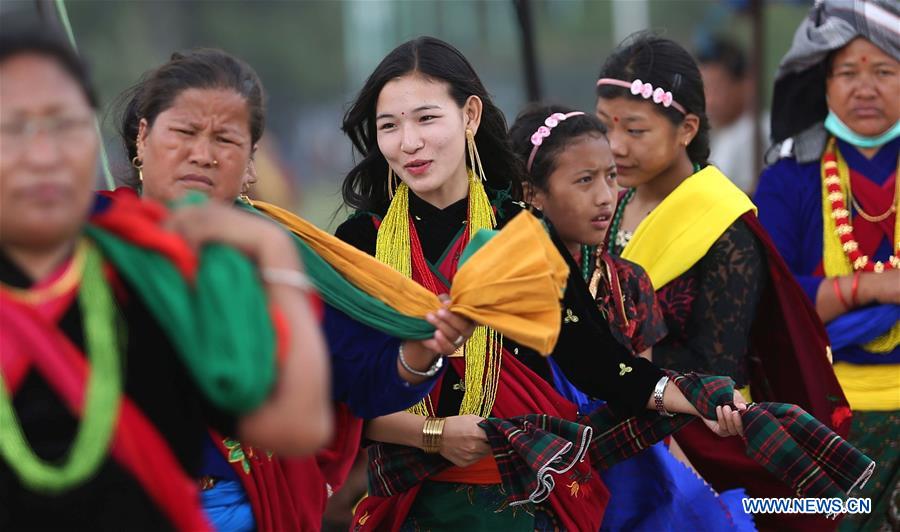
645,91
572,181
730,304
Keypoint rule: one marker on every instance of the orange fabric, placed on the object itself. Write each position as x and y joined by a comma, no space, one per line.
513,284
482,472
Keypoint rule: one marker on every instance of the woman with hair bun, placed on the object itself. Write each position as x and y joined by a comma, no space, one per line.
193,124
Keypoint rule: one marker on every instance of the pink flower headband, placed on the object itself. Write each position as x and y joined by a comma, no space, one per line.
544,131
646,91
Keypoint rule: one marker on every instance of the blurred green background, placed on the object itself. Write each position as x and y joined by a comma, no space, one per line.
313,56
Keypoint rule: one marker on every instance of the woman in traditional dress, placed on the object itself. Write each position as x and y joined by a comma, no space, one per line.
120,343
437,167
830,204
727,302
572,181
192,124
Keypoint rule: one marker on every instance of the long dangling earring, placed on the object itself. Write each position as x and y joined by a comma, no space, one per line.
474,158
138,165
390,182
248,181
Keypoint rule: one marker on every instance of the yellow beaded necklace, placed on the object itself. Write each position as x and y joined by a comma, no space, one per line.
482,352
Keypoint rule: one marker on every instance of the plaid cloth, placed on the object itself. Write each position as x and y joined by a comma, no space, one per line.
790,443
793,445
528,450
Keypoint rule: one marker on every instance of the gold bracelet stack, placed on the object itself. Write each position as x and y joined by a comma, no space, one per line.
431,434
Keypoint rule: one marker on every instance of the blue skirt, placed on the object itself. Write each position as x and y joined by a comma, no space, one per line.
228,508
654,492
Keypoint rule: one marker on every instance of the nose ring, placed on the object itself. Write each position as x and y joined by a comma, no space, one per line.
215,162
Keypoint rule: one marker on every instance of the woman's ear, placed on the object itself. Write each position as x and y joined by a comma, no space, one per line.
143,131
472,112
688,129
250,177
533,196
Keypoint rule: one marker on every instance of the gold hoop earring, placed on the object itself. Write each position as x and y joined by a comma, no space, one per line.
391,180
138,164
474,158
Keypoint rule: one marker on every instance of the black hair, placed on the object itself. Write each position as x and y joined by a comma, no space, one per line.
202,68
365,186
533,117
727,54
662,63
42,40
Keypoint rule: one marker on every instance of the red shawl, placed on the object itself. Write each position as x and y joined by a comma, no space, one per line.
520,392
787,364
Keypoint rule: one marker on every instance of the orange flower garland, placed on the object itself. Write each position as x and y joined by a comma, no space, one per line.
843,227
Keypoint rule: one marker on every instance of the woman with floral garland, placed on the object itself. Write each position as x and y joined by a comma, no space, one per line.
830,204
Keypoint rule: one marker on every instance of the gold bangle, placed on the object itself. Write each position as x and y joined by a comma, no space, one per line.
431,436
432,432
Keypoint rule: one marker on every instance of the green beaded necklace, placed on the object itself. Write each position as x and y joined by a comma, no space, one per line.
587,265
620,212
617,221
101,403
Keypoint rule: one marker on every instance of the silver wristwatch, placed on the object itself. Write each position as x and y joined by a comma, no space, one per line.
658,393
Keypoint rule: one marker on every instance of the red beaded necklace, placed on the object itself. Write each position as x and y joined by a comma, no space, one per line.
841,216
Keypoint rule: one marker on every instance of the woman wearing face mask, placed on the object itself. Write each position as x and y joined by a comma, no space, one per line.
436,167
192,125
572,181
118,341
729,306
830,205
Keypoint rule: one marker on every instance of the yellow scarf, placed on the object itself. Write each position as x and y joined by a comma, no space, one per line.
512,284
867,387
680,231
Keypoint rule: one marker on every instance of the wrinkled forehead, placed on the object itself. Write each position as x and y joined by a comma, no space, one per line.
201,107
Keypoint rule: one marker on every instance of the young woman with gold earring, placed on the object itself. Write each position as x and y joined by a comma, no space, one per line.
424,116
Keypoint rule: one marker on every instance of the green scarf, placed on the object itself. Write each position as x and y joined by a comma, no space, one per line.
220,326
344,296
